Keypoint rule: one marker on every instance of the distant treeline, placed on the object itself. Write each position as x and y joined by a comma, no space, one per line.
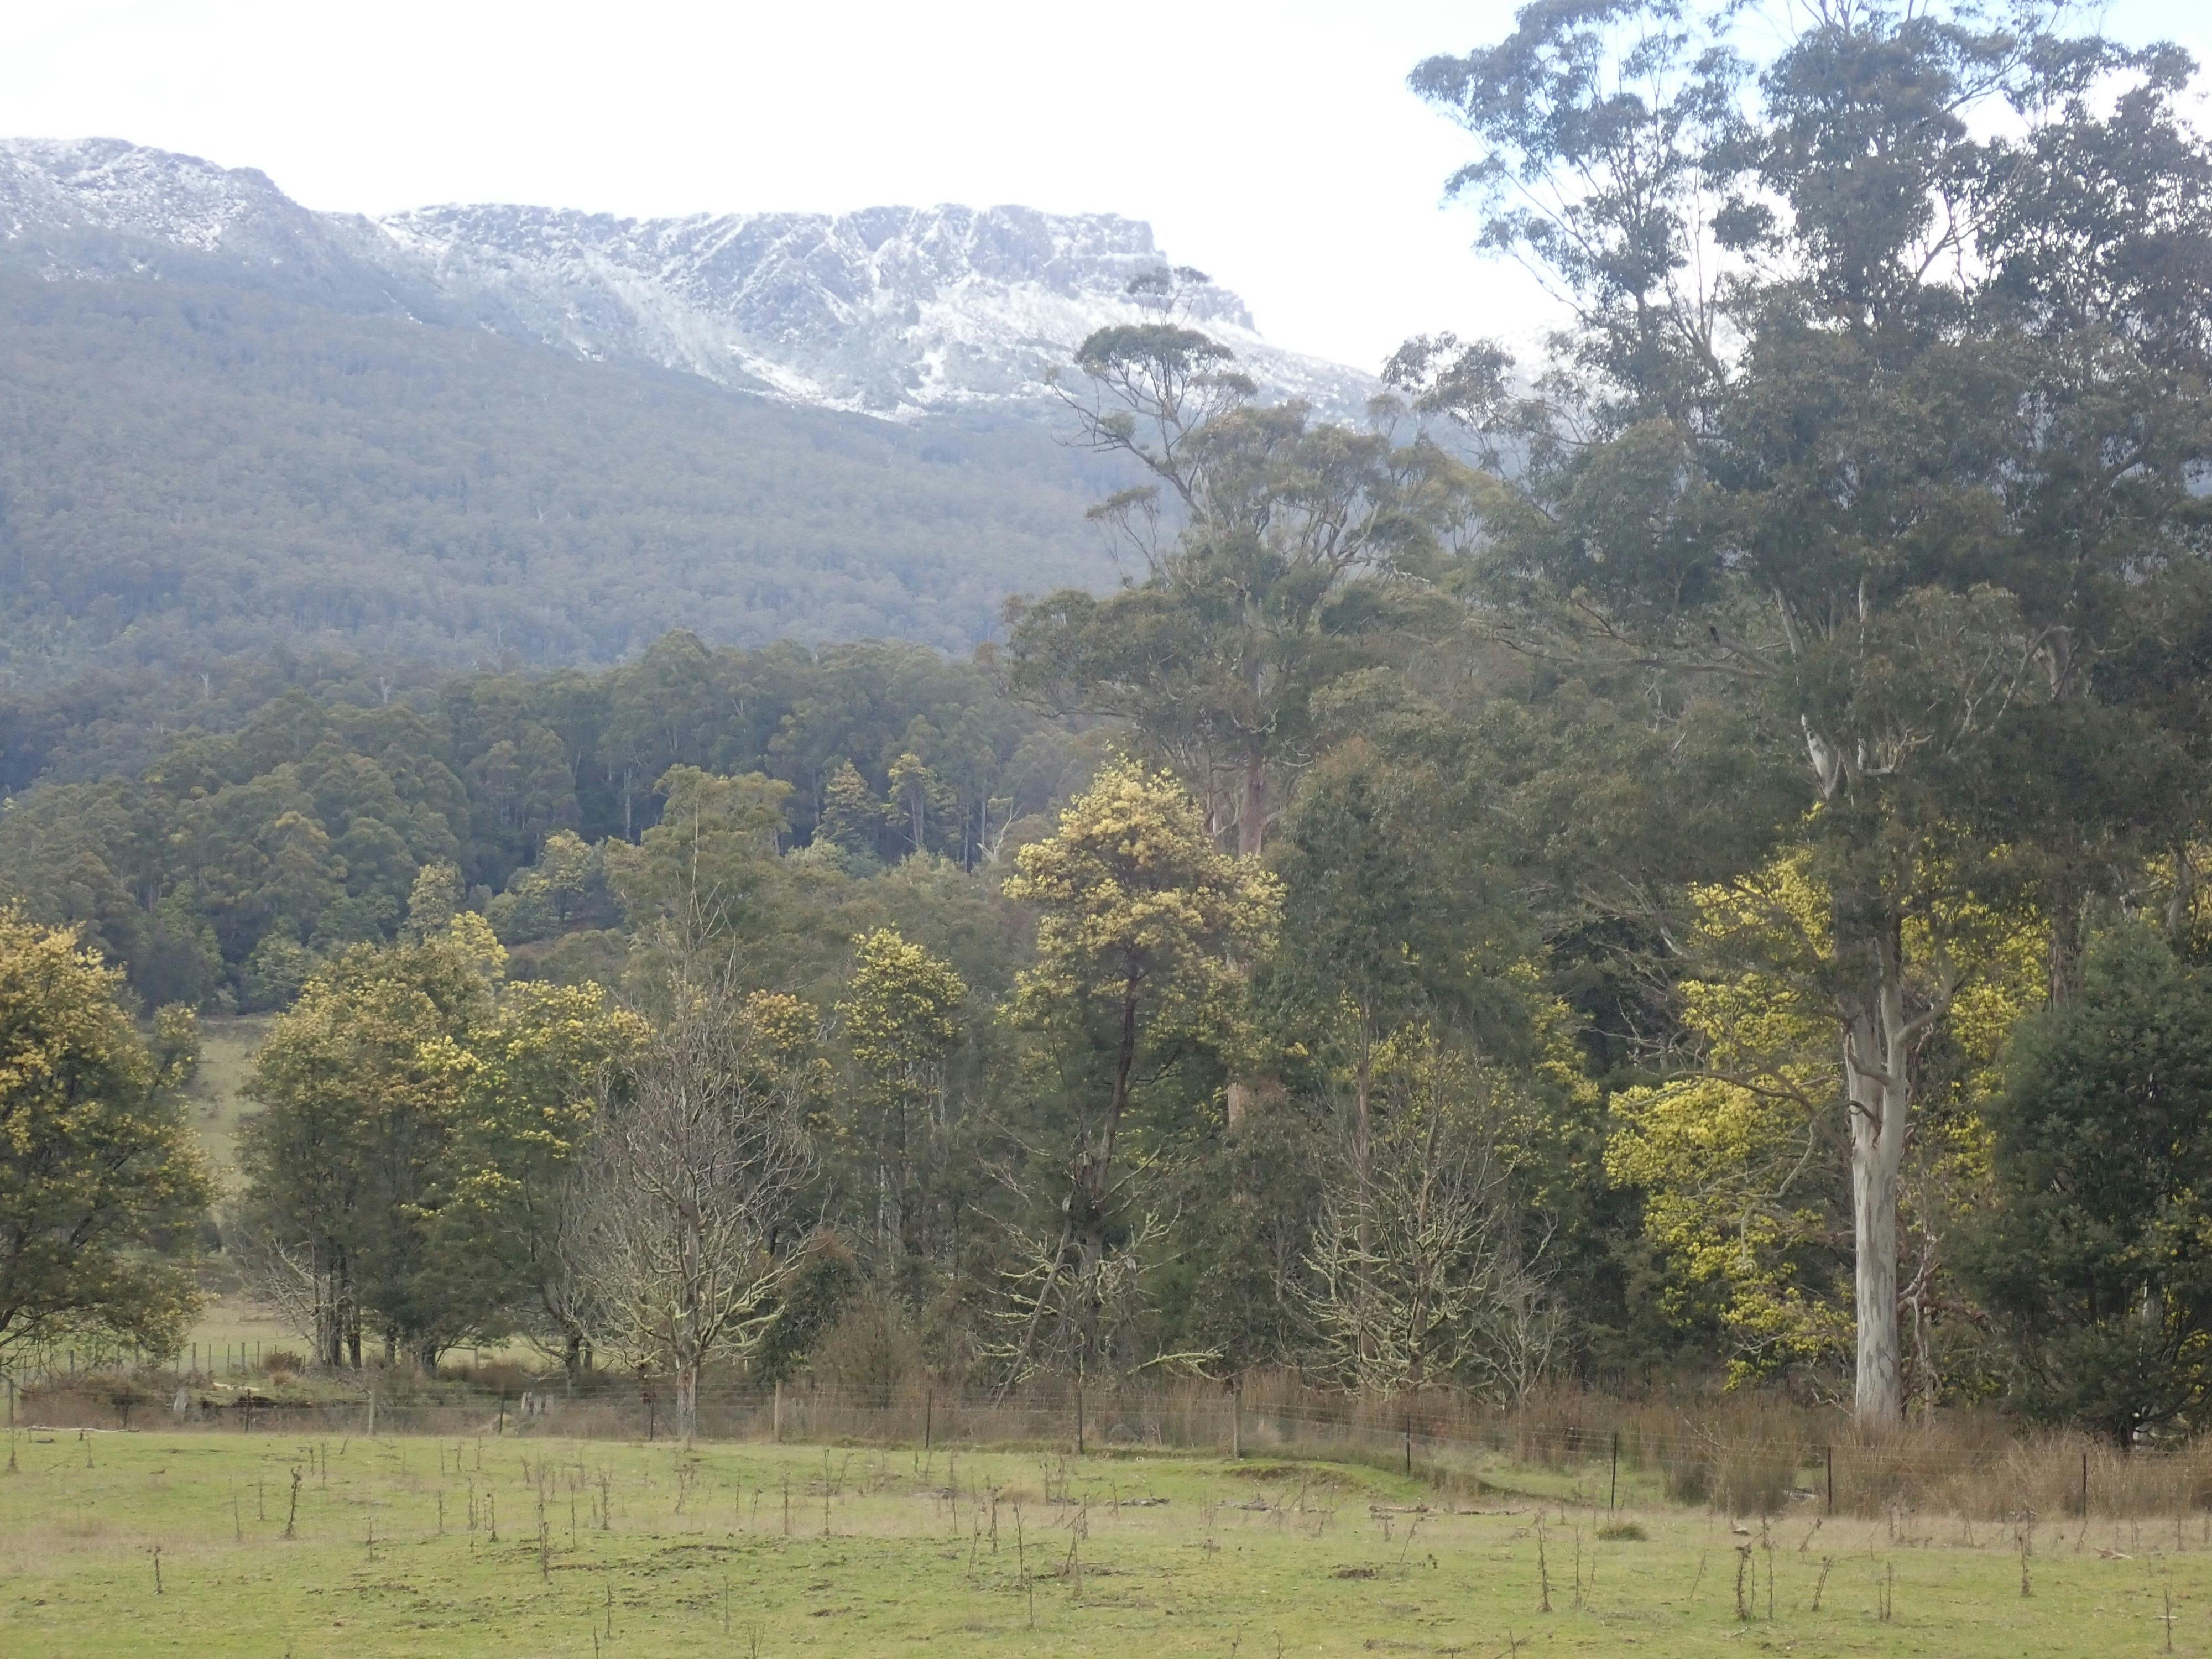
216,844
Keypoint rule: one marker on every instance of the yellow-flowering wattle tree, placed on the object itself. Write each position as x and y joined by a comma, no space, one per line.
1139,919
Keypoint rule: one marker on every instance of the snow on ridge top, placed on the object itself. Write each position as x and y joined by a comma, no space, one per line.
912,251
890,311
113,185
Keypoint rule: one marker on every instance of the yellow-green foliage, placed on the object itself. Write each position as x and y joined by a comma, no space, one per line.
95,1157
1742,1160
901,1009
1135,903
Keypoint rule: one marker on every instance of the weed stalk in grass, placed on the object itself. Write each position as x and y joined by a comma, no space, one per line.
1543,1569
292,1516
1821,1582
157,1591
1742,1566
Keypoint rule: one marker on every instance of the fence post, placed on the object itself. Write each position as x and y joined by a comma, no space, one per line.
501,1428
1236,1419
928,1412
1078,1415
2085,1483
775,1416
1832,1478
1613,1485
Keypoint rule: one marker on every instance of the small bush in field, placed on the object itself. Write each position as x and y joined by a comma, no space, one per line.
282,1362
1624,1531
1690,1482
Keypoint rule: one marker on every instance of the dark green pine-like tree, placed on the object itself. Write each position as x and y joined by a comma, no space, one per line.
2095,1254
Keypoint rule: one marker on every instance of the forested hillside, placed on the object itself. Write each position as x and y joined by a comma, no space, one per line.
187,472
1706,893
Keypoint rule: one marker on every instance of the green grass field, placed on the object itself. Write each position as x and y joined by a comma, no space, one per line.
213,1104
607,1549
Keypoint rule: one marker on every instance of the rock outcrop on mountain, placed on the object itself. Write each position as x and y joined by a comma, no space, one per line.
893,311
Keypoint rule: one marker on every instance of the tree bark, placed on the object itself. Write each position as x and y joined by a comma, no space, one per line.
1098,1177
1251,837
1876,1037
1363,1181
687,1402
1252,808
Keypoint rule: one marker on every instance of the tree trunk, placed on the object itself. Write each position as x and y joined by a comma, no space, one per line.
1363,1181
687,1402
1876,1036
1252,808
1098,1181
2065,939
1251,836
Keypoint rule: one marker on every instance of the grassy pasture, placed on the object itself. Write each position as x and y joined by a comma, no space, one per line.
609,1549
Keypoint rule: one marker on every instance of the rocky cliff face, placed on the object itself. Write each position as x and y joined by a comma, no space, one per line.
894,312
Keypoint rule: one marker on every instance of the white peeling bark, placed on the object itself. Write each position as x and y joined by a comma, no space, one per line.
1876,1038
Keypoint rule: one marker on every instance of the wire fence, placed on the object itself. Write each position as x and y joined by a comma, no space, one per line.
1745,1457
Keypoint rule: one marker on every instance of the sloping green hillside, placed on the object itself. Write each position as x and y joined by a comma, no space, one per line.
192,472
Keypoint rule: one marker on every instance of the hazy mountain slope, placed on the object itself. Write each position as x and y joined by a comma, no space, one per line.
229,419
187,468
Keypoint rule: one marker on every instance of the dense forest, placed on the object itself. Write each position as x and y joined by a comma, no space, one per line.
1706,893
189,472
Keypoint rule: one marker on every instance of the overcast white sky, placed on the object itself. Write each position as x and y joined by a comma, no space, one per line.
1274,144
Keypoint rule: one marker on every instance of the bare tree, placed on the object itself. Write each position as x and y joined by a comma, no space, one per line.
1420,1270
298,1280
692,1179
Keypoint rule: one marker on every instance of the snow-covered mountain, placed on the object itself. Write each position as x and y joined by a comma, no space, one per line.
894,312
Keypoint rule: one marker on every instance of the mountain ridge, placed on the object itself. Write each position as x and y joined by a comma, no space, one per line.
894,312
